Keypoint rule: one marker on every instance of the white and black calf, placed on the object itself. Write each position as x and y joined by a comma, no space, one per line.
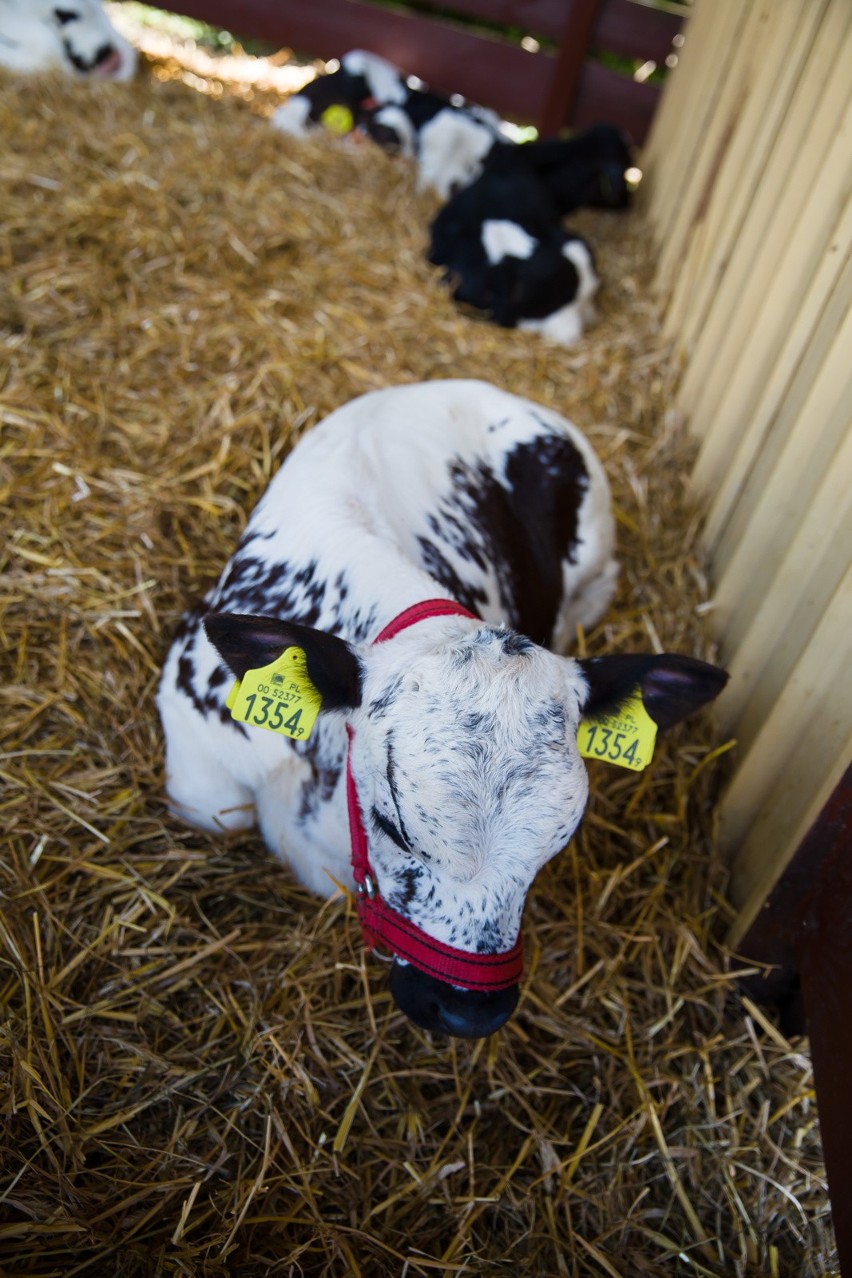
74,36
463,728
505,252
362,81
448,138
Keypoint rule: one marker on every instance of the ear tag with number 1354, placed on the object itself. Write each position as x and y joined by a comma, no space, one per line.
625,738
279,697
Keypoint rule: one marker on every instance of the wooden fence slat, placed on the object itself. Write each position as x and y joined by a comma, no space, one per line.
805,736
804,281
625,27
535,17
772,78
688,104
805,414
736,482
808,133
504,76
728,82
534,86
775,624
635,31
629,104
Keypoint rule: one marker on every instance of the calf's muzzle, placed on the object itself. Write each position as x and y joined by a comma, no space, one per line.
436,1005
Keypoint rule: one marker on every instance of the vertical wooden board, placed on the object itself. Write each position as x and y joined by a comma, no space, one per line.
677,124
781,329
800,741
735,73
805,387
815,111
688,161
817,443
690,100
789,42
764,639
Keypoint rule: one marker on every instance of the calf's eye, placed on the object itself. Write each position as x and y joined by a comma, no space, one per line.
388,828
63,16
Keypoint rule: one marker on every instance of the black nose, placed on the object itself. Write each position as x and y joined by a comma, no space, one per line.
435,1005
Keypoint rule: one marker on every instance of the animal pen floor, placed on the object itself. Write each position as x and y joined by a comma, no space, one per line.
203,1074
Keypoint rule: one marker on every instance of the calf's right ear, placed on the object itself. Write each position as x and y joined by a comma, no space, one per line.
250,643
672,685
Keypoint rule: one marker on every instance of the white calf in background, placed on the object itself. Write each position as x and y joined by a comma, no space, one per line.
74,36
479,525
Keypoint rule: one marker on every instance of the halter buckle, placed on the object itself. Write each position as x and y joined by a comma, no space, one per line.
367,888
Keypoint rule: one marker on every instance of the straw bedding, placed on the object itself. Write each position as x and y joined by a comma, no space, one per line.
203,1074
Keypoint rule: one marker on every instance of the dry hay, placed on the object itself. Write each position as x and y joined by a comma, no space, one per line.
204,1075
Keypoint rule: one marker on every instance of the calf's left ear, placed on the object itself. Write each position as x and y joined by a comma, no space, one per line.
672,686
250,643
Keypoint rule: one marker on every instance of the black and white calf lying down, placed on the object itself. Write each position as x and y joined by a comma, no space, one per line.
74,36
506,252
362,81
447,137
431,549
590,170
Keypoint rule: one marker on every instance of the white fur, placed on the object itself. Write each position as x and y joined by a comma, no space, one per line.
384,79
394,117
488,781
451,149
33,38
565,327
501,238
292,116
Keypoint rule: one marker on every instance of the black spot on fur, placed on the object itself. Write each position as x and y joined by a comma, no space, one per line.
515,645
523,529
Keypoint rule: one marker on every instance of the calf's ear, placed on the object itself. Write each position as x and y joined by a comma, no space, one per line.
249,643
672,685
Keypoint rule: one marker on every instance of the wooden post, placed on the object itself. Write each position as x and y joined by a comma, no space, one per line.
565,77
805,931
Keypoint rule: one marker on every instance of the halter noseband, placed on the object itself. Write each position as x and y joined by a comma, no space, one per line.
381,924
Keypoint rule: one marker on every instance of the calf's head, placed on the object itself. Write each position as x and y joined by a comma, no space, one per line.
74,36
464,757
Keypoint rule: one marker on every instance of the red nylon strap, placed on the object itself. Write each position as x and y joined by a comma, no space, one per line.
422,612
383,925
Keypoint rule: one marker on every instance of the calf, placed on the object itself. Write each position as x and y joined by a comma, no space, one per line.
588,170
506,253
362,81
429,549
447,137
74,36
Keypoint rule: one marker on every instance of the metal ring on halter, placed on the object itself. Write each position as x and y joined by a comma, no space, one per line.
367,888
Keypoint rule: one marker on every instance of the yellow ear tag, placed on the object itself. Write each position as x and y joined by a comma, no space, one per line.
625,738
279,697
338,119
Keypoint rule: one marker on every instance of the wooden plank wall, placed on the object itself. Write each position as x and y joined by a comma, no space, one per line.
748,173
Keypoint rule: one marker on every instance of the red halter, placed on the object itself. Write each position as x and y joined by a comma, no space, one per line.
383,925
